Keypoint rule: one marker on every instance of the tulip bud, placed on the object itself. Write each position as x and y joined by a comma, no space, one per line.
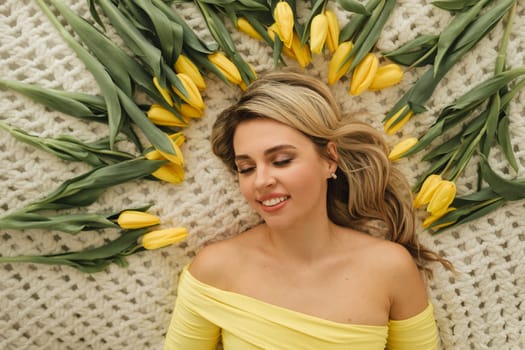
363,74
318,33
301,52
186,66
170,172
284,17
162,116
244,26
442,197
178,138
194,96
132,219
163,91
176,158
401,148
163,238
336,69
189,111
386,76
391,129
226,67
272,31
427,190
332,39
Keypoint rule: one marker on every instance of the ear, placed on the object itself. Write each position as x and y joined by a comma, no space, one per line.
333,156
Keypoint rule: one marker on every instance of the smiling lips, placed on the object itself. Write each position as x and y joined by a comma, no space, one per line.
274,201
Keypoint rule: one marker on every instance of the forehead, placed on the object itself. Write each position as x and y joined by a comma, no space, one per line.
258,135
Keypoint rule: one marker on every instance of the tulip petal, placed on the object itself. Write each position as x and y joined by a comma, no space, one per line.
332,40
133,219
163,238
186,66
284,17
336,68
364,74
427,190
442,197
386,76
318,33
401,148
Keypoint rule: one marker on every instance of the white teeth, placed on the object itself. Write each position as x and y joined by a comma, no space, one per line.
273,201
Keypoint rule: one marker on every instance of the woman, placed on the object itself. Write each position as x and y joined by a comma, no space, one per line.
318,273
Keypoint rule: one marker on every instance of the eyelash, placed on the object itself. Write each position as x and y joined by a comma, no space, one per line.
279,163
244,171
282,162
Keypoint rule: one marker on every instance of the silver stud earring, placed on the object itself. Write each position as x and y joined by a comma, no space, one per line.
333,176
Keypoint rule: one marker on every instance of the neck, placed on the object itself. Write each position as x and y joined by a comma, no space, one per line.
304,242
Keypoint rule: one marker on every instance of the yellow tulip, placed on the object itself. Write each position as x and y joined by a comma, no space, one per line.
226,67
272,31
392,129
402,148
442,197
178,138
170,172
429,220
189,111
284,17
162,116
176,158
132,219
332,39
318,33
336,69
244,26
427,190
363,74
163,238
186,66
301,52
163,91
194,98
387,75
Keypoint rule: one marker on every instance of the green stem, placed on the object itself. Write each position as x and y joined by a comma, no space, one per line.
449,163
323,9
502,53
470,150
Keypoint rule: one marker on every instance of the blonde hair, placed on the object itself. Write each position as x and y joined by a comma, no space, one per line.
369,194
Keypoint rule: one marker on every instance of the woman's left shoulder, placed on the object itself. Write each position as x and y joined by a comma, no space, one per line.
383,253
400,277
408,290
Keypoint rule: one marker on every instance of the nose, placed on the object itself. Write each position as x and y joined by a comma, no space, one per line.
263,178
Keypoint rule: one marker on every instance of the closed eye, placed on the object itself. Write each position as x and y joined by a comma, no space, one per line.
245,170
282,162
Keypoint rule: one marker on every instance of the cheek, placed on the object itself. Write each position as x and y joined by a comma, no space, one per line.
245,188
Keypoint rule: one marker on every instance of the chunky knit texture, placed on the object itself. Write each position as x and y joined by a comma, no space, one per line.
51,307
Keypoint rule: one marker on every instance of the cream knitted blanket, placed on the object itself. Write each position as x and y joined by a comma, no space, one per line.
50,307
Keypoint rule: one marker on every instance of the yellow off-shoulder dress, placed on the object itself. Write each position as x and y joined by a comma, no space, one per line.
204,313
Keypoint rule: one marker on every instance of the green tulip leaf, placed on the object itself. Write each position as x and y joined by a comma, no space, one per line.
508,189
354,6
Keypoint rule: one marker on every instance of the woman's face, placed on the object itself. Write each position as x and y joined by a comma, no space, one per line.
281,174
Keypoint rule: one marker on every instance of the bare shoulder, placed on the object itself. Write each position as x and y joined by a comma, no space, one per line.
216,263
392,262
408,290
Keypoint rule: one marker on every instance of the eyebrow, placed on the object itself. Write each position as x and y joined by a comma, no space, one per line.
267,152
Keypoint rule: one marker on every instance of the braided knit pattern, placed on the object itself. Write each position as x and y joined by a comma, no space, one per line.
60,308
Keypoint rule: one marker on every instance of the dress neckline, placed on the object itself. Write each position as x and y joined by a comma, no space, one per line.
275,307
